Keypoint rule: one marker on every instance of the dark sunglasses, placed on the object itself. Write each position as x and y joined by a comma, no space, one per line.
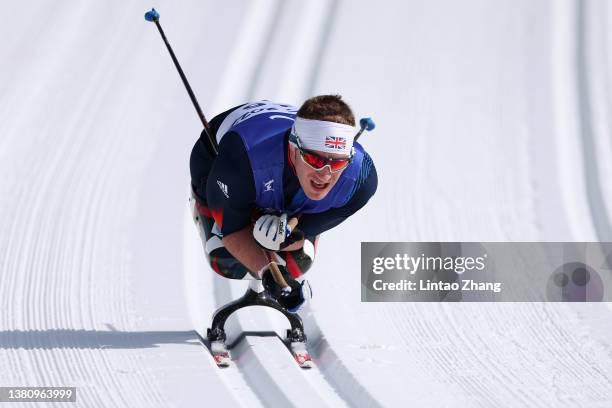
318,162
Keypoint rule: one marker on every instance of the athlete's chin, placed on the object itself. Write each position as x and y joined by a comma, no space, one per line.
316,195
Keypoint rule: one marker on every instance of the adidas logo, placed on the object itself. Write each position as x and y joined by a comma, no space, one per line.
223,188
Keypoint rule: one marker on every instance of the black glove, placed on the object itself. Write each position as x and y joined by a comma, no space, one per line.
290,300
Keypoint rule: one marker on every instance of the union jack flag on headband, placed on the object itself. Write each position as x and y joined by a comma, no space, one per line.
335,142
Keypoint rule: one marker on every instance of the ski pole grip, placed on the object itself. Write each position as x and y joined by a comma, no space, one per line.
152,15
276,273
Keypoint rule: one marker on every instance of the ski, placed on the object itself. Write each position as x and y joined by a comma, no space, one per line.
296,339
220,353
301,354
223,358
218,350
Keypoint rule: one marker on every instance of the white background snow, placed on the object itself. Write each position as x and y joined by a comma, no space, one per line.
493,125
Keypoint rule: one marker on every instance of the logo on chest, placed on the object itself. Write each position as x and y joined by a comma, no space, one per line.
268,185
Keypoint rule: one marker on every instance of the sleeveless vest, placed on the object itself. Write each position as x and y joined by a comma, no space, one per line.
262,126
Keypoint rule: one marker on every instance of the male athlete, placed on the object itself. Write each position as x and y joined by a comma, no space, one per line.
276,163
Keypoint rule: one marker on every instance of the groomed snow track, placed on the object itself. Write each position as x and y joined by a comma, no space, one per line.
493,126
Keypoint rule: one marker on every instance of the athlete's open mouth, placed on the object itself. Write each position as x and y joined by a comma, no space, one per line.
318,186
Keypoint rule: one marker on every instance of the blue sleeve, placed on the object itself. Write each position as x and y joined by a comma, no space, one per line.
314,224
230,188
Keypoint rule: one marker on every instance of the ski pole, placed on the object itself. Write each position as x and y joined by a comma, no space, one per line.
276,273
365,124
153,16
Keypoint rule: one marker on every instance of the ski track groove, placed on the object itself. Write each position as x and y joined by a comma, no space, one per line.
13,284
330,16
231,377
249,375
597,205
260,376
577,379
11,292
338,376
339,379
147,391
259,370
33,249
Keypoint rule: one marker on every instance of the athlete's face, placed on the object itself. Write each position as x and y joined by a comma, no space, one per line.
315,183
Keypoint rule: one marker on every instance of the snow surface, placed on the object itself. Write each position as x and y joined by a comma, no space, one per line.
493,125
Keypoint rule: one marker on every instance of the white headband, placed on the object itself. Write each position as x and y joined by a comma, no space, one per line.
330,137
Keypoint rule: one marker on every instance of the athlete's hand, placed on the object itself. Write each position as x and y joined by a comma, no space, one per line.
292,297
270,231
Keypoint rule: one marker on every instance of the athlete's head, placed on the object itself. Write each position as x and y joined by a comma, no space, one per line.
321,143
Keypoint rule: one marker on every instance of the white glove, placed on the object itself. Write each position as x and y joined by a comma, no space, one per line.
271,230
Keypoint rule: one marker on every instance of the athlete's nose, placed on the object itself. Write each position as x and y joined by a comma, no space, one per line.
325,172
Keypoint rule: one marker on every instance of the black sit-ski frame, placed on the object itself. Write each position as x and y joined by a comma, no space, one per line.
254,296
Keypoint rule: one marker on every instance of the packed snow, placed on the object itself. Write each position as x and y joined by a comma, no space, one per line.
492,125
